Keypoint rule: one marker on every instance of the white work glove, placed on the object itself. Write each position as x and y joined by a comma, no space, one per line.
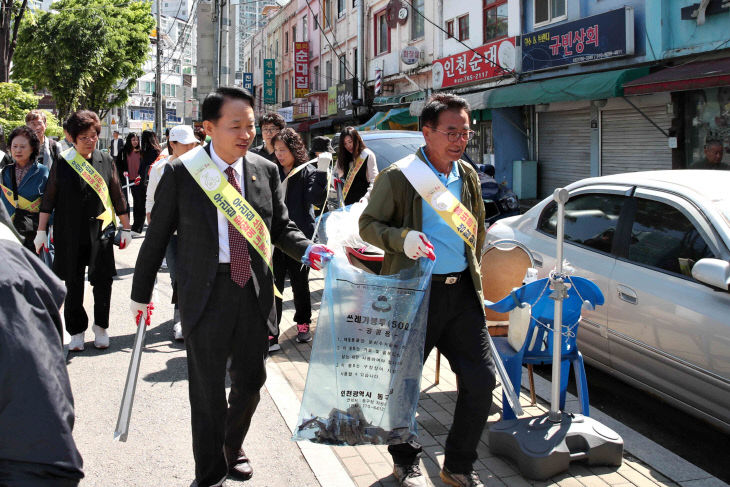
417,245
126,238
139,309
40,240
324,160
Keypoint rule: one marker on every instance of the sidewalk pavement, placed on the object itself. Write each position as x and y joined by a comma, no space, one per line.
645,463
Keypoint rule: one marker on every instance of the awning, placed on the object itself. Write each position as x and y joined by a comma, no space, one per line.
593,86
692,76
301,126
477,100
399,99
322,124
394,119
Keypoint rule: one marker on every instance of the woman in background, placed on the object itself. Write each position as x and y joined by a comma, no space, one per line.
356,167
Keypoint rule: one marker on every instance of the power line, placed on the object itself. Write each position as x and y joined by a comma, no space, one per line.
319,26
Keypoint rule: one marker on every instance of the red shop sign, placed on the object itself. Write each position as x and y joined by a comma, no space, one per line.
488,61
301,69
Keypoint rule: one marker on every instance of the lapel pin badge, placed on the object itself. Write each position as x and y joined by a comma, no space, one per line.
253,178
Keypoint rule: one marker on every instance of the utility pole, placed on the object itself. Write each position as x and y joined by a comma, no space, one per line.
158,79
217,18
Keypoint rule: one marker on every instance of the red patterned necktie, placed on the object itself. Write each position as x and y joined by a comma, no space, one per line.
238,246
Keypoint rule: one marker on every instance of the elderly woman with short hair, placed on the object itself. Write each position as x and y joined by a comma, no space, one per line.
83,233
23,183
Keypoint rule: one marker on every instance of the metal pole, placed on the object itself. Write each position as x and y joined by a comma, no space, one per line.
559,294
130,385
158,79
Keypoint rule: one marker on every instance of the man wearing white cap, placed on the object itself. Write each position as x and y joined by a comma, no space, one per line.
181,140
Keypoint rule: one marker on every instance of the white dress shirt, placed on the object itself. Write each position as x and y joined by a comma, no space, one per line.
224,252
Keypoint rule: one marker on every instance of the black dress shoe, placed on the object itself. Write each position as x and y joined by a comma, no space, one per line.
239,465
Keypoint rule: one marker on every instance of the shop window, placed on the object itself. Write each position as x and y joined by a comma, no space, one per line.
494,19
450,29
464,27
417,23
382,33
707,122
590,220
548,11
663,238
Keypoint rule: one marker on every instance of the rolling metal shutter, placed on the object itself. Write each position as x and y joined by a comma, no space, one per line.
630,143
564,149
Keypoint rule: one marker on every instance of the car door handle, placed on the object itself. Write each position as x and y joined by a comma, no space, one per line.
627,294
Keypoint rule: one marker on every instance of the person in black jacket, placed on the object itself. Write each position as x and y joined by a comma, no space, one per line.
302,189
37,448
82,237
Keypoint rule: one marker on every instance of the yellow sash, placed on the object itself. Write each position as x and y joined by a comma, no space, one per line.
239,212
351,175
433,191
93,179
296,170
23,203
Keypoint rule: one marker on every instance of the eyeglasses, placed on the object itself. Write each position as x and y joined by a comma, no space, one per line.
85,139
455,136
271,131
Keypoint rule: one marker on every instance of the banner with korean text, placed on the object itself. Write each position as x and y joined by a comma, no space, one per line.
269,81
301,69
248,81
365,367
488,61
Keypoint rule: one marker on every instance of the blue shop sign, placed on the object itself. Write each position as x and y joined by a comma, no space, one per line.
248,81
596,38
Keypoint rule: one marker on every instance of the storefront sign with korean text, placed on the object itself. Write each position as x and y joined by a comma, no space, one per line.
269,81
603,36
248,81
344,98
301,69
287,113
302,110
332,100
484,62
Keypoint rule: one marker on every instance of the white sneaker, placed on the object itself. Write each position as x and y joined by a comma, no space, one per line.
77,342
177,328
101,337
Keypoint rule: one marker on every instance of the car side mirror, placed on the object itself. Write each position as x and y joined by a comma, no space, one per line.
715,272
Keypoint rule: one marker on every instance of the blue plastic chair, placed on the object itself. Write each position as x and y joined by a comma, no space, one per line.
538,346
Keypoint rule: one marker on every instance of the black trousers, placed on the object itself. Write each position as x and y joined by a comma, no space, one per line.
74,313
456,326
231,326
138,210
299,278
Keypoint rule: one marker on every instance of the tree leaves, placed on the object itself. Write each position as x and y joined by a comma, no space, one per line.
87,53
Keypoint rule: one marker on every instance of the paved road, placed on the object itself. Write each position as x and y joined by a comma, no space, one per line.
158,451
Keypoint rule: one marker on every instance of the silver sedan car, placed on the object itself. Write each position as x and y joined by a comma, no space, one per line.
658,245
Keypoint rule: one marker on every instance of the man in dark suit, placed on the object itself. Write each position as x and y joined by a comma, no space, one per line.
115,148
225,288
49,150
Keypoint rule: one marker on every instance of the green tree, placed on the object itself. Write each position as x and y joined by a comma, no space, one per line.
11,17
15,103
87,53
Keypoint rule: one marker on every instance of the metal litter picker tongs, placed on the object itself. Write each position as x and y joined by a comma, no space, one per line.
125,409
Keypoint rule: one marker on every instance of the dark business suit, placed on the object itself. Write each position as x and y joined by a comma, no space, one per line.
219,318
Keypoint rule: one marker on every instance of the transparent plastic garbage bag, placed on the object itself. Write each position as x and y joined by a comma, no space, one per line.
365,368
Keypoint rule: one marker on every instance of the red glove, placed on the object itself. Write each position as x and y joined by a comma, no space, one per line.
137,180
317,255
139,308
126,174
338,182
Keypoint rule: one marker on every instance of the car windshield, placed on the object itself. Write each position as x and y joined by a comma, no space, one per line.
389,150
